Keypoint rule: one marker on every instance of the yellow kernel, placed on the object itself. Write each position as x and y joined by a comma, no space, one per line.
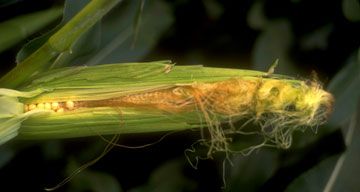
26,108
40,106
60,110
54,105
47,106
32,107
69,104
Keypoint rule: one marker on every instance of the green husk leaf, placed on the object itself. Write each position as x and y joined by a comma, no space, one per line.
105,81
11,112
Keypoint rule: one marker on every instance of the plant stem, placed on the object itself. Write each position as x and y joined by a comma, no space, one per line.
15,30
61,41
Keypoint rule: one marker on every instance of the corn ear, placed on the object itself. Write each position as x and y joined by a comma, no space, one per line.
159,96
114,80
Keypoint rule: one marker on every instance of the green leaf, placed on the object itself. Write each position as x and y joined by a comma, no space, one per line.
88,42
19,28
345,87
351,10
274,43
6,154
250,172
315,179
168,177
95,181
317,39
256,18
124,39
344,176
59,42
120,36
69,11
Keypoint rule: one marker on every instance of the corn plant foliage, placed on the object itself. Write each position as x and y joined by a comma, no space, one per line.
176,181
69,11
275,39
113,39
15,30
92,180
346,96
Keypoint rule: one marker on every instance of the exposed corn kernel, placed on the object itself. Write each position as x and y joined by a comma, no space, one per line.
26,108
60,110
54,105
47,106
32,107
70,105
40,106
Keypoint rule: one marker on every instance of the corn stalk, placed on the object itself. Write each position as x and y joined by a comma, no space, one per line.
58,43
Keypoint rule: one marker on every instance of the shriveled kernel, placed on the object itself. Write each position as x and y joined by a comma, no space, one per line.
60,110
47,106
54,105
70,105
40,106
32,107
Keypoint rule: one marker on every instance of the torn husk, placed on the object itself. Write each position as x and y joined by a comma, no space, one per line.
158,96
